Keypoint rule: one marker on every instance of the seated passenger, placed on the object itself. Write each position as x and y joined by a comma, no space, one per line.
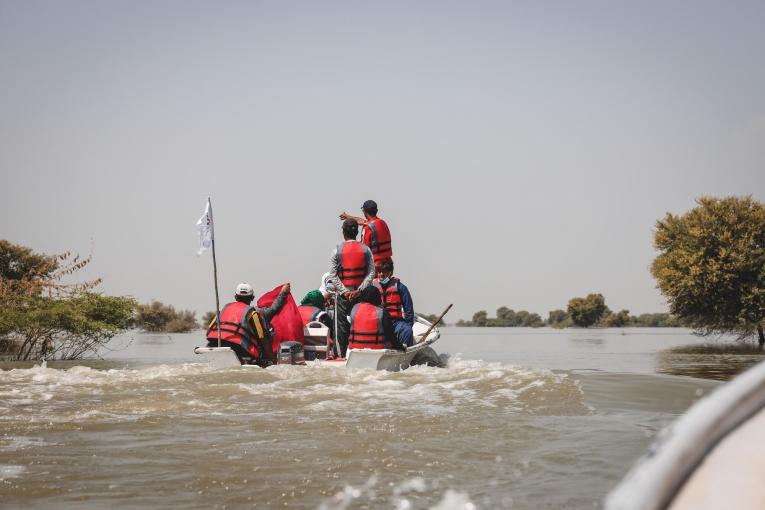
397,301
246,329
371,326
313,308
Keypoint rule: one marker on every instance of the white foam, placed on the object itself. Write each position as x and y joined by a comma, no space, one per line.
11,471
453,500
365,495
43,394
14,443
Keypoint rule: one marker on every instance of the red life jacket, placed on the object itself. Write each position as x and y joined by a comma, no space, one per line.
379,240
308,313
366,327
353,264
391,298
235,328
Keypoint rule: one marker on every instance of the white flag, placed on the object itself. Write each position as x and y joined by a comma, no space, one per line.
205,227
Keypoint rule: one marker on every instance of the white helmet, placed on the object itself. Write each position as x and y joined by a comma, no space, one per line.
326,286
244,289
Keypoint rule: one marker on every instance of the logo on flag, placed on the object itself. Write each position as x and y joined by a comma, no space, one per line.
205,227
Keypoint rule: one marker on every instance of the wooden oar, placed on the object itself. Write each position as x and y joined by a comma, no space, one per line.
435,323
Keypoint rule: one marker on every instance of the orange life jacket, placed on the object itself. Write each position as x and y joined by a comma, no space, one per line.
391,298
379,240
366,327
308,313
353,264
236,328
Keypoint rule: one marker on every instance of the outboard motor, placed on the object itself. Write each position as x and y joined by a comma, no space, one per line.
291,353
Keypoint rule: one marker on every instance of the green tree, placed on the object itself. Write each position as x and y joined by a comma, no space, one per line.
159,317
617,320
207,318
480,318
528,320
655,320
431,317
711,265
556,317
506,317
585,312
41,316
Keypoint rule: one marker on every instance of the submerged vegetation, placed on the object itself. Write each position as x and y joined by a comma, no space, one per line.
158,317
207,319
589,311
506,317
711,266
42,316
718,348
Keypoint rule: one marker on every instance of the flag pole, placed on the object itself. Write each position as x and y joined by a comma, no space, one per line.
215,271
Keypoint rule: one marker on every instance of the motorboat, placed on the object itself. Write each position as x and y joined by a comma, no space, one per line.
316,346
712,457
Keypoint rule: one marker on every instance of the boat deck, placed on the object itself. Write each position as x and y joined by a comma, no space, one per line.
731,474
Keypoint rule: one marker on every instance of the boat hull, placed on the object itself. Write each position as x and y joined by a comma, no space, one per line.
375,359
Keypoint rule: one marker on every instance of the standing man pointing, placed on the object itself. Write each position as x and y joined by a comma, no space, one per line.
376,234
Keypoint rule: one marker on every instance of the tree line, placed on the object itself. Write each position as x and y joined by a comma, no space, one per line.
585,312
710,267
43,315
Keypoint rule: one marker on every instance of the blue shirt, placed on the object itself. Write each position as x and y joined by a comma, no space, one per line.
406,301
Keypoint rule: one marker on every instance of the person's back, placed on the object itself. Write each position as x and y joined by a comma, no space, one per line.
352,270
371,326
353,263
244,328
366,327
376,234
241,328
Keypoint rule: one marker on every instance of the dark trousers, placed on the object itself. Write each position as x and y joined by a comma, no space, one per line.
343,326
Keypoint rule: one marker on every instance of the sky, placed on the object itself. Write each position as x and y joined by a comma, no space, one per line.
521,152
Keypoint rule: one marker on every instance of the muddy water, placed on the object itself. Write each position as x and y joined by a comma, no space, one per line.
519,419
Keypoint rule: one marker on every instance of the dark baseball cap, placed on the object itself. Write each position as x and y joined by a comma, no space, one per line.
369,205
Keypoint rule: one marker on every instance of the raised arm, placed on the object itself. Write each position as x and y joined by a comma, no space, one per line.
345,216
276,306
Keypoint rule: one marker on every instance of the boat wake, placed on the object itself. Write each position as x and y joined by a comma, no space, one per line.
85,395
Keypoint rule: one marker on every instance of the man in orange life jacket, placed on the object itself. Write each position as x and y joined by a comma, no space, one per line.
246,329
376,234
397,301
352,269
371,326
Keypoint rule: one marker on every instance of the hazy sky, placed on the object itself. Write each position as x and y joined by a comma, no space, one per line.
520,151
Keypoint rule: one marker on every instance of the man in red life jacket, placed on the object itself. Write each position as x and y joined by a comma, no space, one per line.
376,234
371,326
351,271
397,301
246,329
